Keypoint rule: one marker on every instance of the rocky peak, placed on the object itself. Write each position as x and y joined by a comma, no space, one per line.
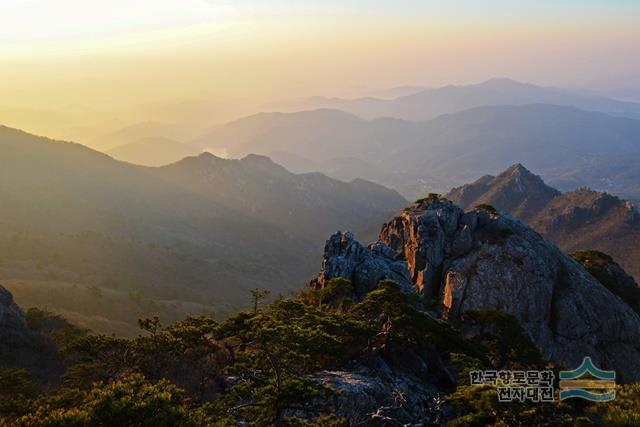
23,347
481,260
518,169
578,219
424,234
516,190
364,266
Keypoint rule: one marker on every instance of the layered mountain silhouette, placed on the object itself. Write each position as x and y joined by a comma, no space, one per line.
205,229
429,103
579,219
307,205
562,143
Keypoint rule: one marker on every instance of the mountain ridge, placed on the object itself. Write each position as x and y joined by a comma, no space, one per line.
430,103
560,142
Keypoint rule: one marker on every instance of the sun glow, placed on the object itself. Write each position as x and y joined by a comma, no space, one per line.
109,58
44,20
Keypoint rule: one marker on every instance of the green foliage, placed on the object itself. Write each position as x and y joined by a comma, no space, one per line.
16,387
131,401
260,367
591,255
15,382
338,294
602,266
478,406
61,331
504,340
96,358
258,295
487,208
275,350
183,352
624,410
431,198
396,319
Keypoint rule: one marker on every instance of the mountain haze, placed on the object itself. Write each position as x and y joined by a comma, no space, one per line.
74,218
430,103
419,157
152,151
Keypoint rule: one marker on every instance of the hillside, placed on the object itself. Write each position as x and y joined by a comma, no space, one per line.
80,223
580,219
390,333
307,205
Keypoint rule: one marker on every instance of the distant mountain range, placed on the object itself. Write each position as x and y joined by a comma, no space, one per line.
204,230
562,143
426,104
580,219
571,138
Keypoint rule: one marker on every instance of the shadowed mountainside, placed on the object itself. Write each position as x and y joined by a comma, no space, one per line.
307,205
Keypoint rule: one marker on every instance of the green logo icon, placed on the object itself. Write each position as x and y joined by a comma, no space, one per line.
588,382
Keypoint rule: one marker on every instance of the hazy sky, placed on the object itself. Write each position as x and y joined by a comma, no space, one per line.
124,60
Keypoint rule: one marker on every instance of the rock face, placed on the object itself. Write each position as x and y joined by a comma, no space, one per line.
367,397
13,329
611,275
483,260
364,266
11,316
22,347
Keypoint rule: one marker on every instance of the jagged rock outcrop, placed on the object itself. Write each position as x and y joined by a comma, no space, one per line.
22,347
426,240
364,266
482,260
369,397
13,329
11,316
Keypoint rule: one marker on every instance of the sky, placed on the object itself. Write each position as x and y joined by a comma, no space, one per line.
76,68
